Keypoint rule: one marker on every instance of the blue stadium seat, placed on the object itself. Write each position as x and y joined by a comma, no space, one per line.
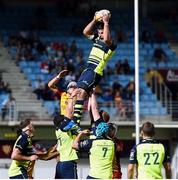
51,106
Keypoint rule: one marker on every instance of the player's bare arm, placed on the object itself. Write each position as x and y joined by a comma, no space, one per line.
88,30
70,106
17,155
94,107
76,141
52,82
106,32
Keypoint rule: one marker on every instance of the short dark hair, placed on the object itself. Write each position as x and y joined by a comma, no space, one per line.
100,25
104,115
23,124
112,130
58,120
148,129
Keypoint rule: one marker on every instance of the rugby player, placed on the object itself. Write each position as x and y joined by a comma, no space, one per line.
22,155
101,52
64,96
149,156
101,152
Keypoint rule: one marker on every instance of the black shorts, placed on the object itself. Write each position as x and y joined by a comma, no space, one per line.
88,80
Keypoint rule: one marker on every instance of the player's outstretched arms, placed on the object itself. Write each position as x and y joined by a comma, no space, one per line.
106,32
75,144
52,82
17,155
88,30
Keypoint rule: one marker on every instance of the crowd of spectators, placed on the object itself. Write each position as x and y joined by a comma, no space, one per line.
53,57
153,37
159,55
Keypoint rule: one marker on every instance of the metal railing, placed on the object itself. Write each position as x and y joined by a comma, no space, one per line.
162,92
118,112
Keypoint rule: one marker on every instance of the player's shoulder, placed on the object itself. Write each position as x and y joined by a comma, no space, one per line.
64,94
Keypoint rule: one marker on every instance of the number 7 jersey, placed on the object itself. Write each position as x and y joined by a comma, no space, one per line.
149,155
101,159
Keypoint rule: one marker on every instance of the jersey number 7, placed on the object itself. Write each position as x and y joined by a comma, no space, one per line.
104,151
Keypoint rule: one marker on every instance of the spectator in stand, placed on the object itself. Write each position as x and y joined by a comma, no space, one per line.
107,97
130,90
159,55
4,87
120,105
44,67
80,63
69,77
39,88
160,36
126,66
7,104
116,86
56,46
120,36
73,48
70,65
51,65
47,95
108,71
119,67
98,90
146,36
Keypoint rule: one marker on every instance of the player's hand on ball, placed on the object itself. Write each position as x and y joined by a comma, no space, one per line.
105,18
97,16
100,14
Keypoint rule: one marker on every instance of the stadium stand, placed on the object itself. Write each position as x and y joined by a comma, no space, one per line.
35,64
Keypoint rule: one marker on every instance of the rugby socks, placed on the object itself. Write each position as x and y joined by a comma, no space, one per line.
78,110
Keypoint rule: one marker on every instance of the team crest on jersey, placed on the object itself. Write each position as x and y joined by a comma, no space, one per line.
84,143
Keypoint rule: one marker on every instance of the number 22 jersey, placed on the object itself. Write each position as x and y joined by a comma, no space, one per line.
149,155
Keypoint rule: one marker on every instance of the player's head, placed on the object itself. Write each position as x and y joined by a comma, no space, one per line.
26,126
148,130
102,129
104,115
71,86
58,120
100,28
112,130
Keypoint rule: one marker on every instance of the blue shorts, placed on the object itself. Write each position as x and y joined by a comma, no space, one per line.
88,80
66,170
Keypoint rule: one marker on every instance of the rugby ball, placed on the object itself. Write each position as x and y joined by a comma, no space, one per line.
99,14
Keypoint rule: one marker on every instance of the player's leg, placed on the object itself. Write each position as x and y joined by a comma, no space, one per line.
86,82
